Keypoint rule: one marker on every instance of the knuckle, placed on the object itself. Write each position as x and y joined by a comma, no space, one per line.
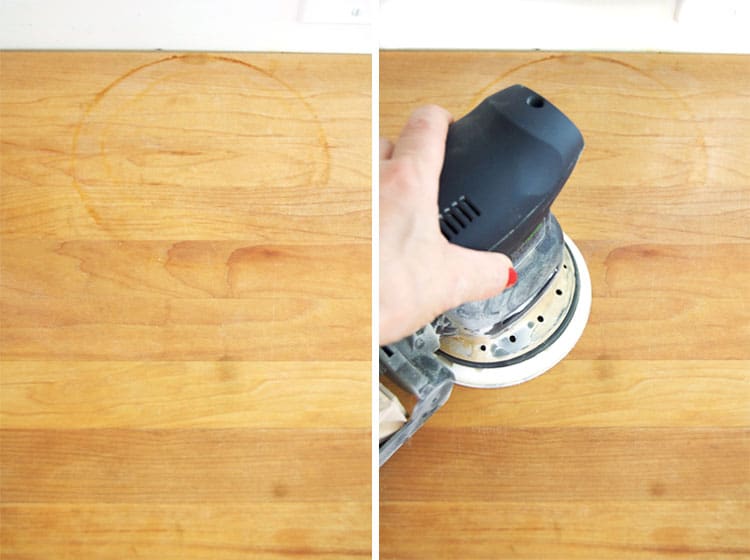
427,117
401,173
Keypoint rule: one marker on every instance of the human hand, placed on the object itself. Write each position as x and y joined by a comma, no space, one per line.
421,273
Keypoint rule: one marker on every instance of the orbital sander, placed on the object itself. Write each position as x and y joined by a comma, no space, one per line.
505,163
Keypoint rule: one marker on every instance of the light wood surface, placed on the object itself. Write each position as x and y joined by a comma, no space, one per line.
185,301
636,446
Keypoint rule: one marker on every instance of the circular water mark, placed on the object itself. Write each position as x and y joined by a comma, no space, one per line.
195,135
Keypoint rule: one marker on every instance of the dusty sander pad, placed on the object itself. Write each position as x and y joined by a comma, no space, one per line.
535,341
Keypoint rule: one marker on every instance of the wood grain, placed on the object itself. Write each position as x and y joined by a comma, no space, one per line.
575,530
183,466
267,531
224,394
185,305
636,445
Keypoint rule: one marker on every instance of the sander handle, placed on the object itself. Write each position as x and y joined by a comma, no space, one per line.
505,163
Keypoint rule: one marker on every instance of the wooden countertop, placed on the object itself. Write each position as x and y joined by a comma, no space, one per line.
636,446
185,305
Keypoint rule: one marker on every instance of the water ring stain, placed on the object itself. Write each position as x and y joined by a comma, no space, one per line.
152,143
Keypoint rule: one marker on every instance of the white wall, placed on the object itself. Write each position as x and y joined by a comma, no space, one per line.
343,25
221,25
652,25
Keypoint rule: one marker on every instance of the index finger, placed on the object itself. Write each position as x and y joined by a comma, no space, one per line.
423,136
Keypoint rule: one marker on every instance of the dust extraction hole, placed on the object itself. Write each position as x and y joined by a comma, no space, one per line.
558,292
512,338
535,101
483,348
540,319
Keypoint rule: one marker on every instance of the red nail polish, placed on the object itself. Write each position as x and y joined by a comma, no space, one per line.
512,277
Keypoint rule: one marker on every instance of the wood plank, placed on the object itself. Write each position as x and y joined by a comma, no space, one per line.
107,328
157,395
495,464
194,531
183,269
574,530
683,326
665,270
611,393
184,465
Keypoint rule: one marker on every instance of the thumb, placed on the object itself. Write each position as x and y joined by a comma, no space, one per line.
475,275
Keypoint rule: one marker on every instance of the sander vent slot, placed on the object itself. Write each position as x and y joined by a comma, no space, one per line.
457,216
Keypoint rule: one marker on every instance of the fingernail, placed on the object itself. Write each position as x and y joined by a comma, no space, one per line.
512,277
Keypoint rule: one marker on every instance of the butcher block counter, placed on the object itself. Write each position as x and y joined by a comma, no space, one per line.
185,305
636,445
